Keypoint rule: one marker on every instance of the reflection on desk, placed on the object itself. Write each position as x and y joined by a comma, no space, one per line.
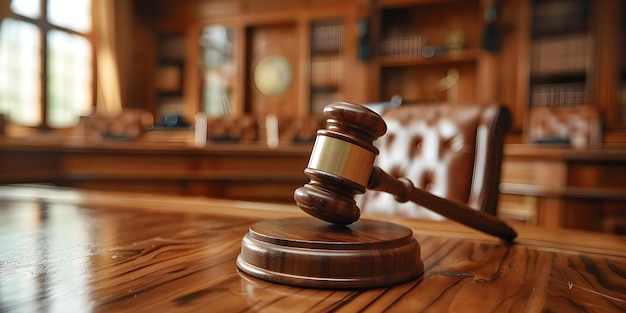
78,251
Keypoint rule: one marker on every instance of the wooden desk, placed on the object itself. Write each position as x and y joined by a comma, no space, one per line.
231,171
72,251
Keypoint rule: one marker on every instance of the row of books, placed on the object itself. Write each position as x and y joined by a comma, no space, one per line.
402,46
560,94
326,38
326,70
569,54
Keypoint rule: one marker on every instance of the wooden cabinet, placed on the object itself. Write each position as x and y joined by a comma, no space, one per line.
523,54
287,58
576,57
564,187
297,62
434,51
561,53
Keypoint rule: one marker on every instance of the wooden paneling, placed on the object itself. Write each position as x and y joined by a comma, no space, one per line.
513,66
273,40
610,175
29,165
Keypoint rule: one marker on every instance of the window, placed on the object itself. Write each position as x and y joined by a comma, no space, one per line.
46,62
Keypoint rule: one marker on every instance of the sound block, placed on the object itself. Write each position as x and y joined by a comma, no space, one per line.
308,252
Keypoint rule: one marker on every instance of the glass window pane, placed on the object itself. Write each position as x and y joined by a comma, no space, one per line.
218,70
20,70
28,8
72,14
69,78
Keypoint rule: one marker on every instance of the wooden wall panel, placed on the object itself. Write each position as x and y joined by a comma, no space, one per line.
269,40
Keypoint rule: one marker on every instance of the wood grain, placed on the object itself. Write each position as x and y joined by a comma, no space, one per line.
65,250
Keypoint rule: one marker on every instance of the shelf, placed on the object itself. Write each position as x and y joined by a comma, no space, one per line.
325,88
327,51
564,77
430,51
579,30
446,58
326,63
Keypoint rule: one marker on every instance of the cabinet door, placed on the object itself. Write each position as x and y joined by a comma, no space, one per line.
273,68
576,83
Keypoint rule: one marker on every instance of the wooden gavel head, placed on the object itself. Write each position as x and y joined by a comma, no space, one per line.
341,162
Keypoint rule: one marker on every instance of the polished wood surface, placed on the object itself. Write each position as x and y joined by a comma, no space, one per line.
79,251
308,252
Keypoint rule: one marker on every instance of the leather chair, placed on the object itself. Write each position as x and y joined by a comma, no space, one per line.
452,151
299,129
232,128
578,126
129,124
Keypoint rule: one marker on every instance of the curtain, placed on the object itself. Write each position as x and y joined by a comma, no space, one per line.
108,90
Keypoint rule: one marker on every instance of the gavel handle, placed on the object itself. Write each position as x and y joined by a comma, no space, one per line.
404,191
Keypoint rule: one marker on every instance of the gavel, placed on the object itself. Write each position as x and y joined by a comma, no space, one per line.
342,165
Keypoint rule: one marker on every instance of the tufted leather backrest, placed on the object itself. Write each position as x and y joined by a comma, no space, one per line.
579,125
452,151
232,128
299,129
127,124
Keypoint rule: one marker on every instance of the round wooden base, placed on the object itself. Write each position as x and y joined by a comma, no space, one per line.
307,252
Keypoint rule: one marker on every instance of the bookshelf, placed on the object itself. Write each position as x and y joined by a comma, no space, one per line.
432,51
307,48
562,53
326,63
